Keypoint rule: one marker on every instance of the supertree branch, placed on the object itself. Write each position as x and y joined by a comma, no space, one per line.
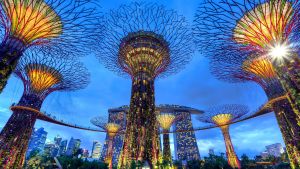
41,75
66,28
248,25
169,28
232,67
267,24
144,41
112,130
222,116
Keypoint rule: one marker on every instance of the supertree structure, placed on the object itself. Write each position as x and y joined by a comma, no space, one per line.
112,129
41,75
231,67
144,41
242,31
58,27
268,28
222,116
165,121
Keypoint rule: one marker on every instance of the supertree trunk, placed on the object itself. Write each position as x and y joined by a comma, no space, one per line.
289,75
233,160
290,79
287,113
15,135
10,53
288,122
141,138
109,153
167,148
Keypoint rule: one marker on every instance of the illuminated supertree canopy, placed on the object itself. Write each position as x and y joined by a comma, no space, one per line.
166,120
247,25
144,41
63,27
231,67
160,29
112,129
41,75
269,23
222,116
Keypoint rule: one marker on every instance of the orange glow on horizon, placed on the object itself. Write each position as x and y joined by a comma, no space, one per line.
32,20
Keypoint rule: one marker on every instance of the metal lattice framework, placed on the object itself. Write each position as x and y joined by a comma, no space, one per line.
41,75
55,26
144,41
222,115
231,67
256,25
60,27
169,28
112,129
264,28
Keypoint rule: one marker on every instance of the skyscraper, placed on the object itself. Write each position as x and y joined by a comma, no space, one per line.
85,153
37,141
62,147
57,140
73,146
117,116
96,150
275,149
51,150
211,151
186,147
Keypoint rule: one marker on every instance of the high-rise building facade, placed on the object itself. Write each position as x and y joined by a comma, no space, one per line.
185,143
57,140
275,150
117,116
211,151
85,153
96,150
62,147
51,150
37,141
188,139
73,146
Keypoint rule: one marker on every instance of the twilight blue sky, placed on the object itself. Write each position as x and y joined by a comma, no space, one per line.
194,87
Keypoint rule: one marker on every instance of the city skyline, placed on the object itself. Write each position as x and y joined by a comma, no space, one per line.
108,90
274,149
